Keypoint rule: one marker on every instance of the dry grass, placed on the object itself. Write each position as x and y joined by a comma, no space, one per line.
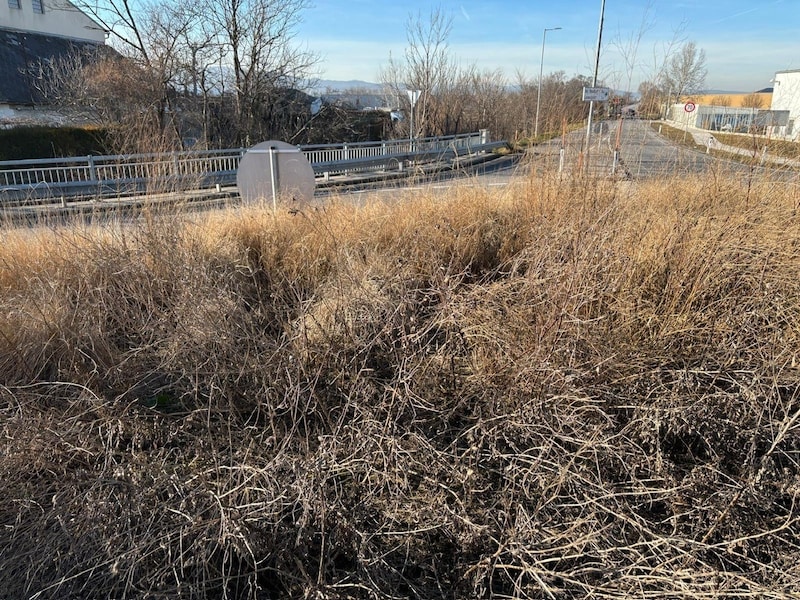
756,144
557,390
753,144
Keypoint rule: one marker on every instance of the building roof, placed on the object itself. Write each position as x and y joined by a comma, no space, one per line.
359,100
21,53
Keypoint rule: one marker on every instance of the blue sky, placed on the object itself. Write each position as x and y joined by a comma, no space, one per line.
745,42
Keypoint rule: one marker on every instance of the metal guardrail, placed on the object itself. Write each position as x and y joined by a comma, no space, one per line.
32,180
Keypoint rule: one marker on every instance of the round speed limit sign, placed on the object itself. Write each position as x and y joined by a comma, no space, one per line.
689,107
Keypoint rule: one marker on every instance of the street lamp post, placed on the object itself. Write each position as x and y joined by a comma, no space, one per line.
541,70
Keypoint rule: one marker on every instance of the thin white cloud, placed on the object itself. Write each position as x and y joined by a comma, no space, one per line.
734,16
742,13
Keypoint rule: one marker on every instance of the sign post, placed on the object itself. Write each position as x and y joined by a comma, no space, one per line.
688,108
273,169
592,95
594,83
413,97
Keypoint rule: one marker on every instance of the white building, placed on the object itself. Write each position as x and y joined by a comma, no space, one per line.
786,96
726,118
58,18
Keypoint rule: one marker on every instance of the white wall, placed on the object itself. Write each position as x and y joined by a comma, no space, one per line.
786,96
678,115
60,18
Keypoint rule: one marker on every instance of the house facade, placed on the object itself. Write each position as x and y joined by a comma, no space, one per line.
57,18
786,97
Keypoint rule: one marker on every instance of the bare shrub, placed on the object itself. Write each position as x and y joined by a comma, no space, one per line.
552,391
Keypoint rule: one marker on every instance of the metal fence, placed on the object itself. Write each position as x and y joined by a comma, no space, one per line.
135,173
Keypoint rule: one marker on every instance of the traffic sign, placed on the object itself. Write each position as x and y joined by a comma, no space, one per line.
595,94
689,107
272,169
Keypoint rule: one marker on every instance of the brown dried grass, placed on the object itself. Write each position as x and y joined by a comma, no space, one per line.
557,390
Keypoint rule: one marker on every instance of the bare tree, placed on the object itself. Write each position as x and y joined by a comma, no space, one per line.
111,91
721,100
685,71
123,20
257,41
204,49
655,89
753,100
149,39
428,67
194,72
560,102
488,103
650,99
628,47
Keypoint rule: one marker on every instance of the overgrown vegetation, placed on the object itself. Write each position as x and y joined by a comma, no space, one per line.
561,389
755,143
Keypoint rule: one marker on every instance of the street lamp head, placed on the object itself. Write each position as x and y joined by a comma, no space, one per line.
552,28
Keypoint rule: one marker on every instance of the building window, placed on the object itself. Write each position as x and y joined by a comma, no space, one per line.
14,4
38,6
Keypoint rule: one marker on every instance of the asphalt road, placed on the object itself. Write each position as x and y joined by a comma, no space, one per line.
644,153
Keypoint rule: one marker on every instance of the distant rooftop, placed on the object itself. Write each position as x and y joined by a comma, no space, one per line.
355,99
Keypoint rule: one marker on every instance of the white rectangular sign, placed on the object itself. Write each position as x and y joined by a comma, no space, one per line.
595,94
